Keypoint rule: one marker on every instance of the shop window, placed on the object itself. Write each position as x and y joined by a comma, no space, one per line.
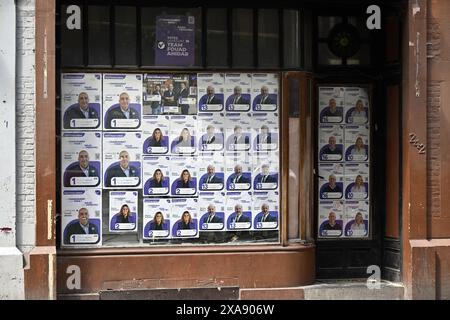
291,38
125,36
243,38
217,38
99,36
268,38
71,43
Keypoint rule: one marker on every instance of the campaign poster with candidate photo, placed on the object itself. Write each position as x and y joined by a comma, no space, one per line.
357,143
122,101
183,135
238,132
357,181
185,86
156,175
81,101
154,86
81,154
331,219
123,211
122,159
331,143
238,211
211,172
238,172
210,92
265,210
81,219
184,213
183,176
157,219
211,211
238,92
331,104
356,105
265,131
356,219
265,92
211,131
265,173
331,181
155,132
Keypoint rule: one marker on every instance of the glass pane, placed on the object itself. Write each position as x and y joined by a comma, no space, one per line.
326,57
326,24
98,35
362,57
360,24
217,38
148,27
71,43
243,38
125,36
308,42
268,44
291,37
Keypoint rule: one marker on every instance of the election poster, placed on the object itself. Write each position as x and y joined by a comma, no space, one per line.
357,143
210,92
122,159
211,131
331,218
265,131
157,219
265,210
357,219
156,175
81,159
238,211
184,213
175,40
81,217
238,131
331,104
265,92
238,92
183,135
331,142
265,173
183,176
123,211
357,181
155,131
356,106
211,172
81,101
331,180
122,101
211,211
153,88
238,172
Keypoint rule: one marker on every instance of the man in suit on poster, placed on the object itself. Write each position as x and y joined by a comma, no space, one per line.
80,169
80,111
122,111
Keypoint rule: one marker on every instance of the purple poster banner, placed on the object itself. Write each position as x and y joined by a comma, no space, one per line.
175,40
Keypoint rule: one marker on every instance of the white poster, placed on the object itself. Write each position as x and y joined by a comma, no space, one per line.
238,211
81,218
81,101
211,172
155,131
357,181
154,86
238,173
122,159
331,219
265,173
265,210
81,159
184,213
356,106
210,92
183,135
122,101
265,92
157,219
211,211
238,92
156,175
357,219
331,181
331,104
123,211
357,143
238,131
211,131
265,131
183,176
331,143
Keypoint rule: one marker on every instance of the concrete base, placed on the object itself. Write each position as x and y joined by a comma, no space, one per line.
11,274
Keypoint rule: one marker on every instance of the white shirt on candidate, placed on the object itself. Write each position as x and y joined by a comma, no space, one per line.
126,171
